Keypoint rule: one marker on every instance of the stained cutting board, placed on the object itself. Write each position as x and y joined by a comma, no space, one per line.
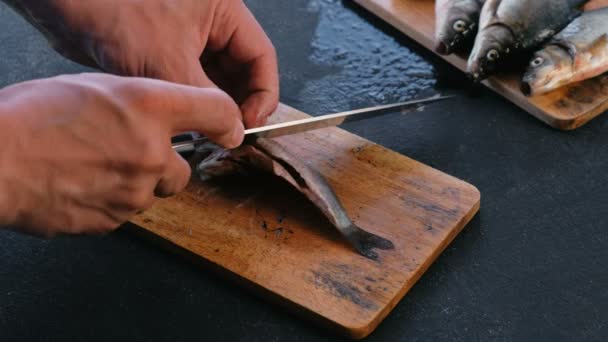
270,238
568,108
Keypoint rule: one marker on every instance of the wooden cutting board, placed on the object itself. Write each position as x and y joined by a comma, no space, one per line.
568,108
270,238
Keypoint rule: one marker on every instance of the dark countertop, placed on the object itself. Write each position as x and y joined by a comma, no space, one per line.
531,266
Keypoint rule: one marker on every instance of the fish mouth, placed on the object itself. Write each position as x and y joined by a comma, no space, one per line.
477,75
449,45
531,85
476,78
526,88
442,48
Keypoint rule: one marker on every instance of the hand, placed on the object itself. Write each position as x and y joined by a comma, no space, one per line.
168,40
82,154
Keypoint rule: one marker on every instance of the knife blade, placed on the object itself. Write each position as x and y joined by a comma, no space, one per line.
318,122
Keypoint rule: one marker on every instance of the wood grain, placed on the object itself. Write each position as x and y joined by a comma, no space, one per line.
266,235
567,108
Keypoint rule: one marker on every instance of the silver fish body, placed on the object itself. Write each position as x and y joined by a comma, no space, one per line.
510,26
577,53
269,156
456,23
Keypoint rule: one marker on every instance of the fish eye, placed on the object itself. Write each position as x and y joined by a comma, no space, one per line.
492,55
537,62
459,25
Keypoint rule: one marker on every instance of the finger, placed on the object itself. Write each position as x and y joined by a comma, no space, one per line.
212,113
208,111
257,108
188,73
176,177
99,223
131,198
263,97
245,42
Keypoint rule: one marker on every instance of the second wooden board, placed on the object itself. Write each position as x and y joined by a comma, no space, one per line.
567,108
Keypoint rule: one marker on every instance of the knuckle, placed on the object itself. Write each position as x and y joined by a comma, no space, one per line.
105,227
139,200
148,154
222,103
137,95
155,160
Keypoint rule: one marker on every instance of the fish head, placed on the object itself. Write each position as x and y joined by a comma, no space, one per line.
548,69
490,50
456,24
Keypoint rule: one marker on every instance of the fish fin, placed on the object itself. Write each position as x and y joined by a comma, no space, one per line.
567,46
364,242
219,163
489,13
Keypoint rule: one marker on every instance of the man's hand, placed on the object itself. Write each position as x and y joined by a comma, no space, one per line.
84,153
167,40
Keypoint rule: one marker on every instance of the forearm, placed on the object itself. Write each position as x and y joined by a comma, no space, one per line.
50,17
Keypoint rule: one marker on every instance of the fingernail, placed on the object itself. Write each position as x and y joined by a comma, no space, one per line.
237,134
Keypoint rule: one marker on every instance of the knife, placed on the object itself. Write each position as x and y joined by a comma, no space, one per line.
318,122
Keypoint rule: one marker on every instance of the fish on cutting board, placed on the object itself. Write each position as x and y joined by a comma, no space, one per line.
456,24
269,156
511,27
577,53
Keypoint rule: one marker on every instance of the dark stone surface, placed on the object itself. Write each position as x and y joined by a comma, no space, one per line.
530,267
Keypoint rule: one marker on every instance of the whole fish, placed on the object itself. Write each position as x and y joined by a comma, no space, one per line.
577,53
269,156
456,23
507,27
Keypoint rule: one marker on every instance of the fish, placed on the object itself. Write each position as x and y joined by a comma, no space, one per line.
577,53
511,28
456,24
269,156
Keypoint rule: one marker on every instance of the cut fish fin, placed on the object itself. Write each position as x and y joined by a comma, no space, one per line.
489,13
365,242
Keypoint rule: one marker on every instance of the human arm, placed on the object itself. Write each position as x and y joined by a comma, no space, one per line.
193,42
83,153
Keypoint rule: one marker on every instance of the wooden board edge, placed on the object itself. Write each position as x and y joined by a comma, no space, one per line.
235,278
365,331
570,125
552,121
355,333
